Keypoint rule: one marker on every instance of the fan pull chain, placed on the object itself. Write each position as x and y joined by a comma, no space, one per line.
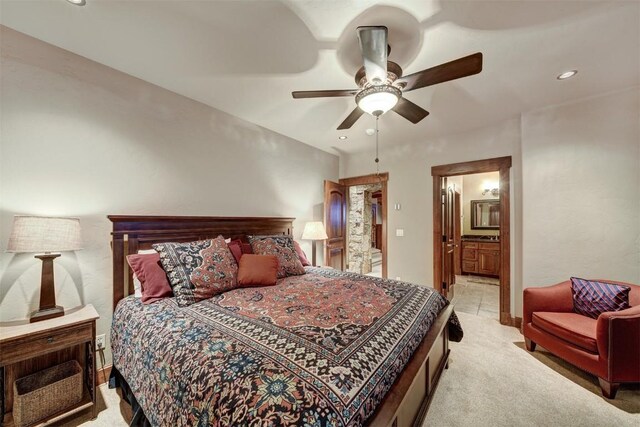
377,159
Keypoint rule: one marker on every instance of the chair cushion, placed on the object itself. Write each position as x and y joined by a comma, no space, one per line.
592,298
575,328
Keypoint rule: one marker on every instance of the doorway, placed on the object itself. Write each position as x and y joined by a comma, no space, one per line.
481,256
356,223
476,235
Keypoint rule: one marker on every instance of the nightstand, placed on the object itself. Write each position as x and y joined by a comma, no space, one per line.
26,348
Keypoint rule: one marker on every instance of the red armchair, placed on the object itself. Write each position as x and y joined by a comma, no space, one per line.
608,347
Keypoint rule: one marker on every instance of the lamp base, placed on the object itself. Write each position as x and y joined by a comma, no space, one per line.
313,253
48,308
49,313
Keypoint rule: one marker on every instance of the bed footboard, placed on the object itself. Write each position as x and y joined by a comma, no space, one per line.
408,400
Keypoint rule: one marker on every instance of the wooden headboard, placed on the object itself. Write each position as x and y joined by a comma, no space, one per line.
133,233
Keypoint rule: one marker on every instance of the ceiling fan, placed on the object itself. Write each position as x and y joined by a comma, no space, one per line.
381,84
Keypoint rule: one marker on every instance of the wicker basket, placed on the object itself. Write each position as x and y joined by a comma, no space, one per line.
44,393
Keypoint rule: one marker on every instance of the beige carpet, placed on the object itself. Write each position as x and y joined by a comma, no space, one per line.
491,381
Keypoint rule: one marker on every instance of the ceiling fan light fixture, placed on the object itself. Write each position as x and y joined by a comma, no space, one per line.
77,2
377,100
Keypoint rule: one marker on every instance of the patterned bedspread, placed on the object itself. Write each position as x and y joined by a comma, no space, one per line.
320,349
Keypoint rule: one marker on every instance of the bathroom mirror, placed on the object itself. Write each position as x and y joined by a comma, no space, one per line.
485,214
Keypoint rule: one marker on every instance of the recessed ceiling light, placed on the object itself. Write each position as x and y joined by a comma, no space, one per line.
370,131
342,137
78,2
567,74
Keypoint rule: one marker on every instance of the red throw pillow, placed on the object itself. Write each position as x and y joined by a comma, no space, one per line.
238,248
257,270
147,268
246,248
235,246
303,257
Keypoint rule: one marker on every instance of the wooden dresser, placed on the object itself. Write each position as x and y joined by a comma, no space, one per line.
481,257
26,348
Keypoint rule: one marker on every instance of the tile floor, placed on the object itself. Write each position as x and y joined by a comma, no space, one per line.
376,271
477,295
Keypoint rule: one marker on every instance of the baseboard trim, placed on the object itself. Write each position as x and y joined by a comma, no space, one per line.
507,320
517,322
103,375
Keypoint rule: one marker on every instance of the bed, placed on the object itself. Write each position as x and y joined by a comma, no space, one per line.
324,348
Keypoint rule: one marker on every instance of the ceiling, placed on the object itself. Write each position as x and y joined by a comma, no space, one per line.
245,57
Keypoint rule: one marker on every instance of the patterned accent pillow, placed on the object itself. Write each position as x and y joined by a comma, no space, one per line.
282,247
592,298
198,270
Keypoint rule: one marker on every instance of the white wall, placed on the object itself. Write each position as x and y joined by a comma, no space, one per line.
410,184
581,186
82,139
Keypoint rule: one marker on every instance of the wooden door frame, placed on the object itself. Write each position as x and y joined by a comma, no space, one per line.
503,166
381,178
457,268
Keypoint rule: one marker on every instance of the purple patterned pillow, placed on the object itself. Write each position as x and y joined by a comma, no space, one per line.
198,270
592,298
282,247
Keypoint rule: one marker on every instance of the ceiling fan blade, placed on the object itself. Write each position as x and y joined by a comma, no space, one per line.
323,93
410,111
462,67
373,45
351,119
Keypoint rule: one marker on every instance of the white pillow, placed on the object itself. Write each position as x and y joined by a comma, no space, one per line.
137,286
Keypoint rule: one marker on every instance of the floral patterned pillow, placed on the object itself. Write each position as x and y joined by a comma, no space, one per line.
282,247
198,270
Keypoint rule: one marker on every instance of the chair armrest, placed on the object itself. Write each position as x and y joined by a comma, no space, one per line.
556,298
618,339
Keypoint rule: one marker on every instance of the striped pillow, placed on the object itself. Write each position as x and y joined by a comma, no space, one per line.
591,298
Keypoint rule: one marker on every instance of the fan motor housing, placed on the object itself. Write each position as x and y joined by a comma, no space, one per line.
394,71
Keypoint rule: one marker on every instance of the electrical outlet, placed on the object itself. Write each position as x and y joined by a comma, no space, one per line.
101,342
398,278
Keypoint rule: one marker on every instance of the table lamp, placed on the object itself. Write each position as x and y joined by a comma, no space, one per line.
45,235
314,231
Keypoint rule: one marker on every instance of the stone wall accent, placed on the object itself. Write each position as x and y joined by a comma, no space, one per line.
359,228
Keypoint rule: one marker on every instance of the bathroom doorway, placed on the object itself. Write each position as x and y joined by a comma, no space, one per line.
476,240
484,255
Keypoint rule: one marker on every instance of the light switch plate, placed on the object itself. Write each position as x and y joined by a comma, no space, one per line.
399,232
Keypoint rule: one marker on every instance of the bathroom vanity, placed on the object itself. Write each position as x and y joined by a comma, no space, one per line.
481,255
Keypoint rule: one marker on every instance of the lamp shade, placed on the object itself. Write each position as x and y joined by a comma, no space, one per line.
44,234
314,231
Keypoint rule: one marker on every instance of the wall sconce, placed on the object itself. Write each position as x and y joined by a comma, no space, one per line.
494,192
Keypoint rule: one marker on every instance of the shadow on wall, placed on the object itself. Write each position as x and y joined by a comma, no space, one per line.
23,271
